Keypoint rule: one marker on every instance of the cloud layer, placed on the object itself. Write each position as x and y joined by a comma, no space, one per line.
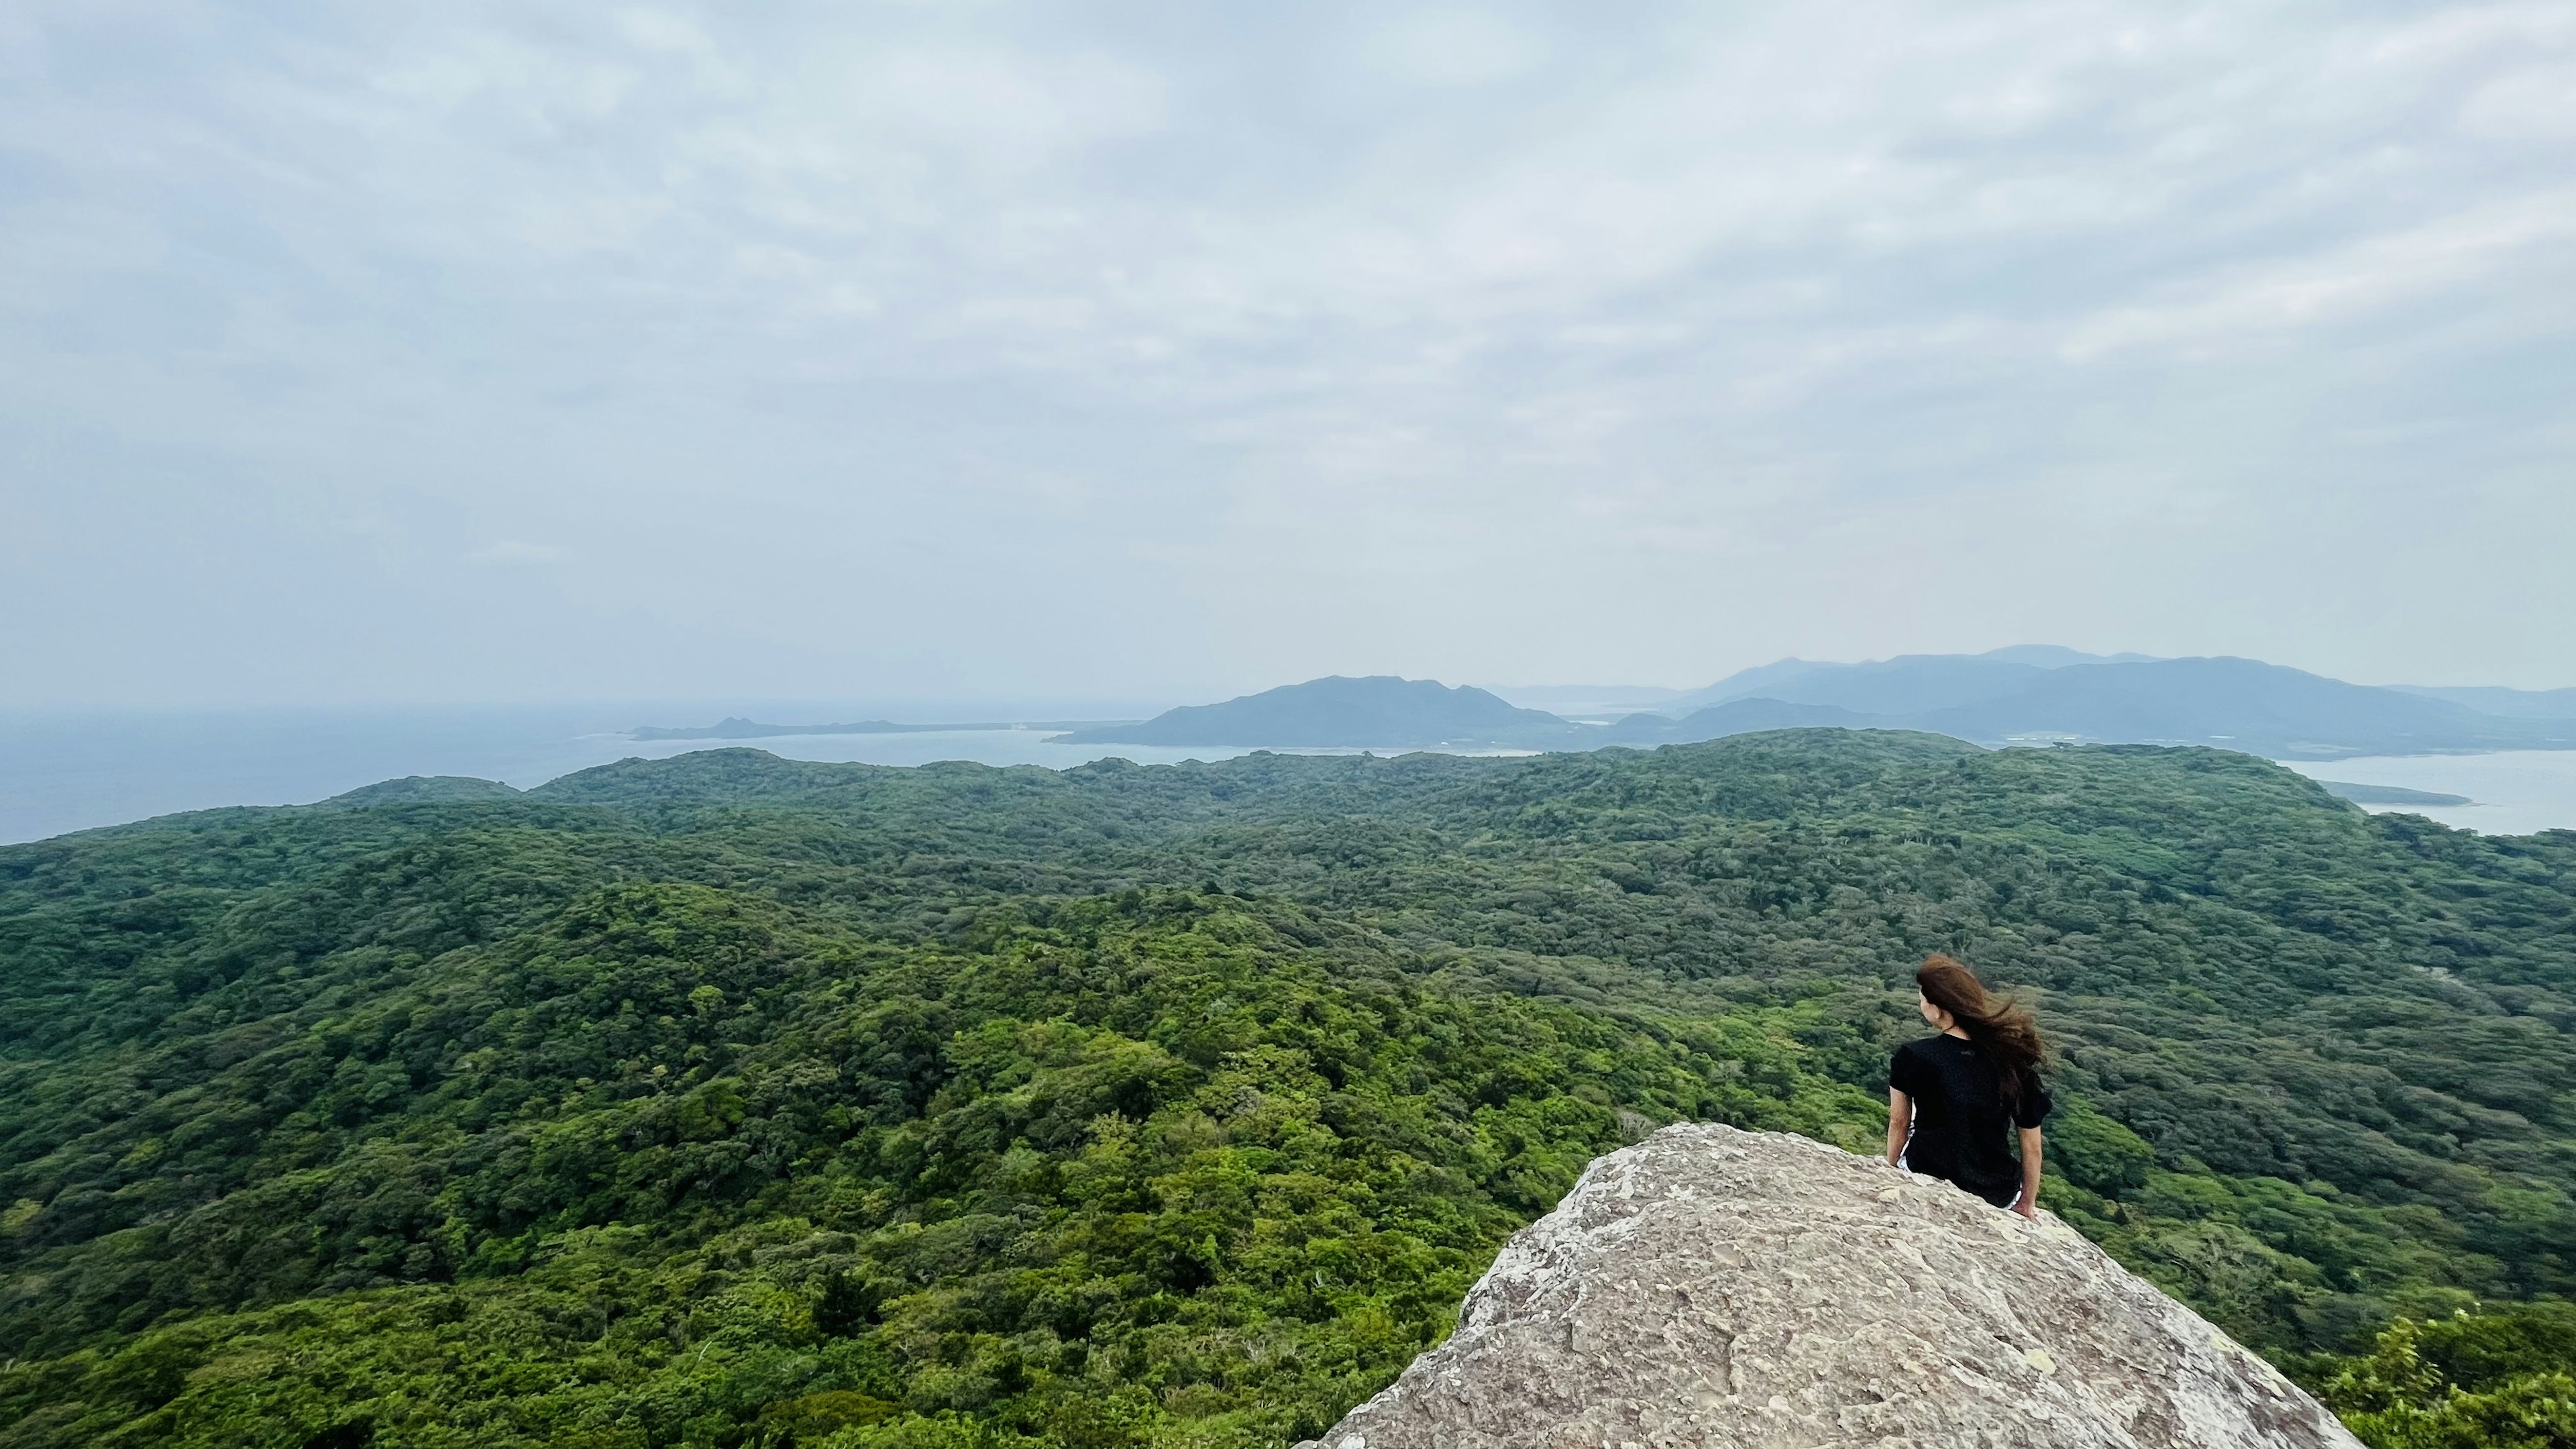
557,351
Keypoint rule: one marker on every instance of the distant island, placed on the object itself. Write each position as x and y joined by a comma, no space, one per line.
2512,703
1338,712
2030,694
2025,695
2390,794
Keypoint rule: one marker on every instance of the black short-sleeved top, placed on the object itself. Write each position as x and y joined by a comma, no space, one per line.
1962,1120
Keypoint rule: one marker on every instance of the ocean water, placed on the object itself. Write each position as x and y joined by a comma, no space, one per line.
2517,792
60,773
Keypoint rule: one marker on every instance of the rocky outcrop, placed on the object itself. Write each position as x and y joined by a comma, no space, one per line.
1710,1287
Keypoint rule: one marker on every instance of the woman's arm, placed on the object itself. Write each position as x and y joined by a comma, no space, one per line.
2028,1203
1900,1122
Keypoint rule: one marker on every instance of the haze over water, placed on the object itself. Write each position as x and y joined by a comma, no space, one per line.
2517,791
61,773
65,773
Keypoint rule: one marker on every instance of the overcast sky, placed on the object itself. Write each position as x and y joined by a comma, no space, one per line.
536,351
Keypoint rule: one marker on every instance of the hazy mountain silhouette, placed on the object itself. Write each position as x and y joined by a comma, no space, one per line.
1761,680
2058,656
2239,704
1343,712
1906,684
2242,704
2510,703
2028,694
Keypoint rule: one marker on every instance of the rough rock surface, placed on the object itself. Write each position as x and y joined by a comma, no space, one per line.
1716,1287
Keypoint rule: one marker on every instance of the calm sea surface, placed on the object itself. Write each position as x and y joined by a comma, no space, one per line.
2517,791
61,773
65,773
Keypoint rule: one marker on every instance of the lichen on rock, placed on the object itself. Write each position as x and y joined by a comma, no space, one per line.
1712,1287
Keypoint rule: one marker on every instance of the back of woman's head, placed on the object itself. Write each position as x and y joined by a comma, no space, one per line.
1999,1029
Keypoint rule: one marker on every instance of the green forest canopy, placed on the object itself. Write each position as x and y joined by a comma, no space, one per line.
730,1100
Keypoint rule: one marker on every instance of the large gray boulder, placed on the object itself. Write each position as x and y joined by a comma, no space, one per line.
1716,1287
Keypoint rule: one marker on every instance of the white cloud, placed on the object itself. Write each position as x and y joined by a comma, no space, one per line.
1454,47
2465,251
1506,341
2537,104
517,553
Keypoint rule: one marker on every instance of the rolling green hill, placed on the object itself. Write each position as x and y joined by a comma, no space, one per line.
730,1100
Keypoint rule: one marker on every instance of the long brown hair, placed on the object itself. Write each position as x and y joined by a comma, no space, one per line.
1999,1028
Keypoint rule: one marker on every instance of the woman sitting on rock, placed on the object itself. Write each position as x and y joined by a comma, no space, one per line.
1954,1100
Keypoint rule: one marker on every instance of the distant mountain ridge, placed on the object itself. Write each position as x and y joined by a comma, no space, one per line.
1340,712
2028,694
2243,703
2238,704
2510,703
1735,717
1954,678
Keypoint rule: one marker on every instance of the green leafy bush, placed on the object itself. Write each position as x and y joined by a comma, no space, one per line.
2495,1379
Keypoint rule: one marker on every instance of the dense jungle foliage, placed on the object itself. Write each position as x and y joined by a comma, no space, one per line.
735,1101
2493,1380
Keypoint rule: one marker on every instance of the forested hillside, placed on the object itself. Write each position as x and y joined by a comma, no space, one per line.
730,1100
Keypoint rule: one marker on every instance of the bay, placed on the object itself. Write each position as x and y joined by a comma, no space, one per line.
2517,792
66,772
